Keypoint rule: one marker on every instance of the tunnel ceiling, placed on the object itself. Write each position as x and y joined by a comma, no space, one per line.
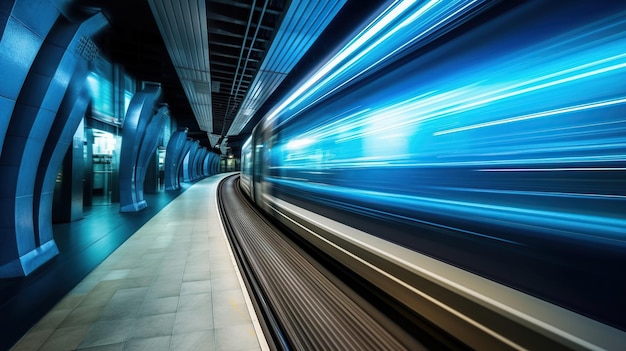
235,46
233,64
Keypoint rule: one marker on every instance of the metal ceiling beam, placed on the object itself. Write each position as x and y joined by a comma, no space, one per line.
219,31
233,20
301,26
234,46
221,54
244,6
239,84
227,72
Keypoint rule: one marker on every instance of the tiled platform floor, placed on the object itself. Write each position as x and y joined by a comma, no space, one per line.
171,286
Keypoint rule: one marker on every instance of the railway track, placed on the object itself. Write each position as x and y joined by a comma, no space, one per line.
304,305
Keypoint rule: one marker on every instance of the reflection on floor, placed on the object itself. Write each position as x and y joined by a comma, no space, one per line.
172,285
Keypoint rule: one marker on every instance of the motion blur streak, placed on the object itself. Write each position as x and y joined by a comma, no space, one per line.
489,135
396,28
537,115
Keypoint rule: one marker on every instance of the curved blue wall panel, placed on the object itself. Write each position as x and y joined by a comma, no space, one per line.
184,157
200,165
140,112
31,122
211,162
148,147
172,159
24,27
197,163
188,162
205,165
70,113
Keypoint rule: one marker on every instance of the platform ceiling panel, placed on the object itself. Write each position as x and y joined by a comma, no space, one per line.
183,26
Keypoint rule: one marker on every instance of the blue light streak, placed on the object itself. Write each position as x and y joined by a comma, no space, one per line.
536,115
467,131
508,135
344,67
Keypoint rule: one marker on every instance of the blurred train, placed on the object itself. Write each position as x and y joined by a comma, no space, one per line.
474,152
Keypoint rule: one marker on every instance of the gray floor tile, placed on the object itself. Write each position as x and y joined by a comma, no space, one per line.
223,297
53,319
225,283
116,274
159,305
198,275
153,326
195,341
227,315
70,301
101,294
240,337
33,340
124,304
110,347
81,316
190,321
65,339
196,302
195,287
164,289
137,281
195,270
108,332
149,344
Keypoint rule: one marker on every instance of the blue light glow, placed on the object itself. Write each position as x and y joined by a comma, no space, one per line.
511,132
298,144
366,47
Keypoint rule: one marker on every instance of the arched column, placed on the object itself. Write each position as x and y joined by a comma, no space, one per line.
23,26
61,137
31,122
172,159
211,164
148,148
188,162
140,112
197,163
216,164
205,152
206,167
183,157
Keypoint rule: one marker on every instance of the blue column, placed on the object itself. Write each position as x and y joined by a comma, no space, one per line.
203,153
216,164
208,164
140,112
188,162
205,165
211,163
183,158
61,137
23,26
148,148
197,163
172,159
31,122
